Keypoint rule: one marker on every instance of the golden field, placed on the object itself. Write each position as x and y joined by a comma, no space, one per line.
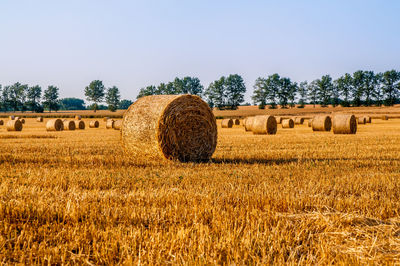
294,197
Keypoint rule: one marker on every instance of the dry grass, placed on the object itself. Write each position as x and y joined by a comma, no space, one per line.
295,197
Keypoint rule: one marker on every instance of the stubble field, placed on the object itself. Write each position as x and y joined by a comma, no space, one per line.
297,196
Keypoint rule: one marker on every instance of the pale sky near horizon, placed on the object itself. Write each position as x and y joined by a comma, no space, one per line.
132,44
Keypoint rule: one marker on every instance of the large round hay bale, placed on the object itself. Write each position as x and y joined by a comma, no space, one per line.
105,119
264,124
39,119
1,122
344,124
79,124
299,120
54,125
11,117
175,127
69,125
236,122
94,124
78,117
322,123
385,117
244,121
14,125
118,125
227,123
361,120
110,124
249,123
288,123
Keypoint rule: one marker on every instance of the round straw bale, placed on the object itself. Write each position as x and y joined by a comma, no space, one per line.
361,120
105,118
69,125
288,123
264,124
118,125
39,119
279,119
236,121
244,121
299,120
94,124
385,117
110,124
79,124
174,127
322,123
14,125
368,119
54,125
344,124
22,120
78,117
249,123
227,123
11,117
1,122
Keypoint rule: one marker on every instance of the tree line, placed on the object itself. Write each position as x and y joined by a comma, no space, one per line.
21,97
360,88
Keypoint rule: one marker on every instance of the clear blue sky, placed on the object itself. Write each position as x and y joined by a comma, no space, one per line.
132,44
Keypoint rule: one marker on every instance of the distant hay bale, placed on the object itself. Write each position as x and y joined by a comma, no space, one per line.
264,124
344,124
69,125
22,121
299,120
227,123
322,123
118,125
78,117
110,124
11,117
288,123
368,119
94,124
105,119
54,125
385,117
237,122
39,119
174,127
244,121
361,120
14,125
1,122
249,123
279,119
79,124
309,123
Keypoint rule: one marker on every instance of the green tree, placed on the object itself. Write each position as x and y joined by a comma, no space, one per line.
324,90
344,85
17,96
235,90
5,98
95,92
313,92
391,86
370,84
273,84
260,93
50,99
147,91
358,87
33,96
192,85
124,104
292,93
284,91
302,92
379,90
72,104
215,94
112,98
